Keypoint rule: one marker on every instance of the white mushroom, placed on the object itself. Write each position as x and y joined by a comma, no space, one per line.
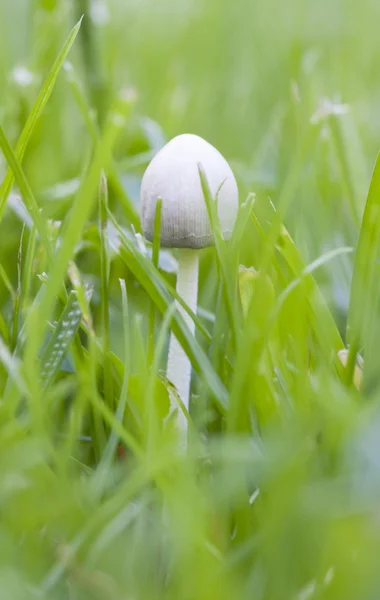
173,176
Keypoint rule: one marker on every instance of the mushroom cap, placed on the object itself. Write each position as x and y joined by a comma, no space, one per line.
173,175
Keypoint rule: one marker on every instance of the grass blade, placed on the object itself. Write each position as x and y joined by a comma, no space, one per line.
222,253
17,299
155,259
59,343
104,289
364,286
327,331
36,112
26,192
28,268
12,366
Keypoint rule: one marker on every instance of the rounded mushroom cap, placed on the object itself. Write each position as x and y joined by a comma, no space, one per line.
173,175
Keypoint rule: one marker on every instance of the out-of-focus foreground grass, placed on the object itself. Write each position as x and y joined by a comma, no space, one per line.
278,494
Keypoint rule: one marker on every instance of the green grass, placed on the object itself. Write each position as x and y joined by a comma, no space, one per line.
277,495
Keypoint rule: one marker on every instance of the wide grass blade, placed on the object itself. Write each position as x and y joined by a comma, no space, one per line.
59,343
326,330
365,286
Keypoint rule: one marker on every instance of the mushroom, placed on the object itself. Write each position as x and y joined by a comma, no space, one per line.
173,176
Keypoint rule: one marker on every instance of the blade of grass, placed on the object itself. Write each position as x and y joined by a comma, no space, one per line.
114,424
17,299
242,220
321,319
246,386
36,112
155,259
151,417
222,253
28,267
7,282
364,286
96,83
326,330
108,455
83,295
12,366
308,270
104,289
99,427
26,192
4,333
59,343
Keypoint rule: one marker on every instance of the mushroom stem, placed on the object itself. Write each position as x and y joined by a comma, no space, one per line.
179,365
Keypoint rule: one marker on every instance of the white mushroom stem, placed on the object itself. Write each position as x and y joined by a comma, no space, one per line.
179,365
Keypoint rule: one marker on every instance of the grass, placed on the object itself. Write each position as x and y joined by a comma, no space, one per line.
277,496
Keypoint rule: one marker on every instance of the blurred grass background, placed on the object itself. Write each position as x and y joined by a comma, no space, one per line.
289,93
247,76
